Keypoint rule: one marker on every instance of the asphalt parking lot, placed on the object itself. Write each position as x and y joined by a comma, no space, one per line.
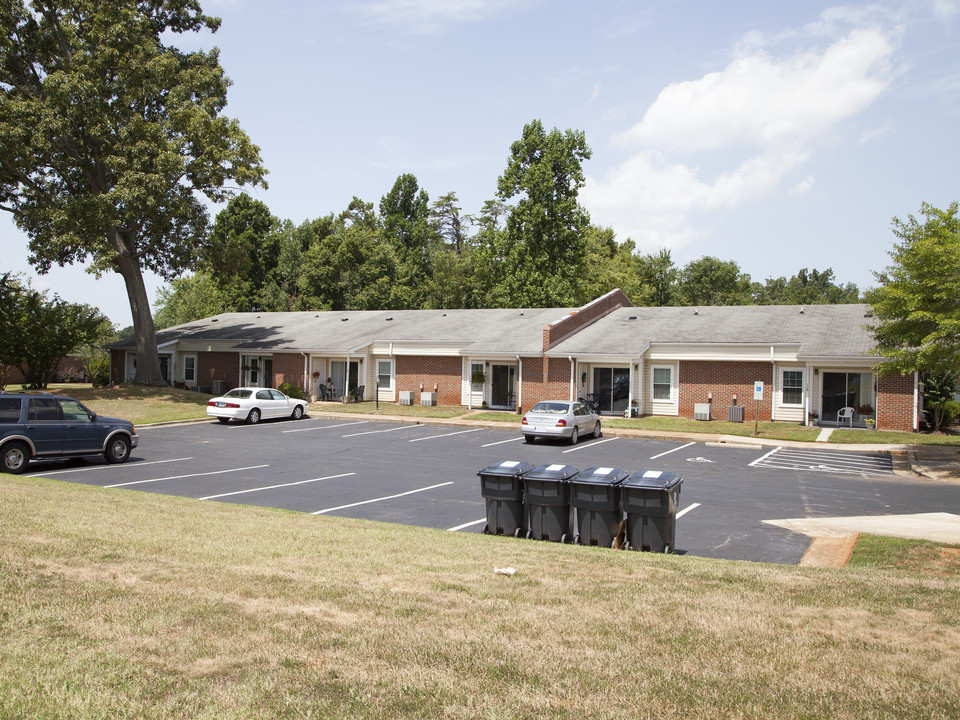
426,475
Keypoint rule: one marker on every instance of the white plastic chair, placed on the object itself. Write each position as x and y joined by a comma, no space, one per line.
845,414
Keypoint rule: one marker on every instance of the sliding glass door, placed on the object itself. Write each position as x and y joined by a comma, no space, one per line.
612,387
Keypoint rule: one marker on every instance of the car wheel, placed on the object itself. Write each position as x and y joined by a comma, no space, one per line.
16,455
224,420
596,431
575,435
297,412
118,450
254,417
529,438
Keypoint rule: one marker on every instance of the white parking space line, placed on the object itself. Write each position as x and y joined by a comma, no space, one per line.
466,525
501,442
381,499
688,508
181,477
590,445
459,432
273,487
325,427
104,467
374,432
765,456
673,451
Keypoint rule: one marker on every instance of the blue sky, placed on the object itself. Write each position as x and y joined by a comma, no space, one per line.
778,135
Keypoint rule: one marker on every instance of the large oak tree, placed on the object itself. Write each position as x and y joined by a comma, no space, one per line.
109,138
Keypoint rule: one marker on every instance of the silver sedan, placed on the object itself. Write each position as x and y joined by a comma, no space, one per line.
560,419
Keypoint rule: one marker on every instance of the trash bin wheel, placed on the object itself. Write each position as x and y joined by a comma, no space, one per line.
563,539
516,533
529,534
486,529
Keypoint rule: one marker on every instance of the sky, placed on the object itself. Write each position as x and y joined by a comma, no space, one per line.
780,135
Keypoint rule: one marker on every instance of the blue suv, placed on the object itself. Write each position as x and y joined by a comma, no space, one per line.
52,426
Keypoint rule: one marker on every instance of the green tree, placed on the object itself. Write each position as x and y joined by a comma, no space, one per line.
187,299
710,281
243,255
544,256
109,138
445,214
609,264
917,304
405,218
47,330
812,287
658,278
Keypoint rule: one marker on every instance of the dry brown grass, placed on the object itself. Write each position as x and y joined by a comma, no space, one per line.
121,604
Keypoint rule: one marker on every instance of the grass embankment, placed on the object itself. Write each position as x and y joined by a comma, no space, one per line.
122,604
139,404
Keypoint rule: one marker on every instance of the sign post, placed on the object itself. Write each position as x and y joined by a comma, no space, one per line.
758,396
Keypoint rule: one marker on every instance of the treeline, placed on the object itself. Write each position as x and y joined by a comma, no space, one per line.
531,246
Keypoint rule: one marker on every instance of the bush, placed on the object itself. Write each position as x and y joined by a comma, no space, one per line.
291,390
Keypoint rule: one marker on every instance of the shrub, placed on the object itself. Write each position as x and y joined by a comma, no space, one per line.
292,390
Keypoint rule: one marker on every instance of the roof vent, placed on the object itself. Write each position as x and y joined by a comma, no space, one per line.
344,319
215,320
696,311
801,309
521,313
389,319
868,313
444,315
632,317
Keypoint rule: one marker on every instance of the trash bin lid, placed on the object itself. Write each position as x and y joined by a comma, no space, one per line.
653,480
602,476
506,468
560,473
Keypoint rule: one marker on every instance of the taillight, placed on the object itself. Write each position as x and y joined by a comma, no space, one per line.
211,404
524,421
561,423
232,405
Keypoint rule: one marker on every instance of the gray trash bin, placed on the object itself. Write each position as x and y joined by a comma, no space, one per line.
595,497
502,486
547,496
650,499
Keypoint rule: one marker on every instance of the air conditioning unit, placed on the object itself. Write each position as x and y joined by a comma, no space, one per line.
428,399
406,397
701,411
219,387
735,413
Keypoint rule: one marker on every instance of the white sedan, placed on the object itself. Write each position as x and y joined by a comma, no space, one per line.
252,405
560,419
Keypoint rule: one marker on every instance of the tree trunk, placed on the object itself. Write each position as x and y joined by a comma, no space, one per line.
148,360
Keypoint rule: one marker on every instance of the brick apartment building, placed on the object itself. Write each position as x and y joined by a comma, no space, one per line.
814,361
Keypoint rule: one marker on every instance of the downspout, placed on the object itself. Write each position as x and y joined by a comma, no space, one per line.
240,370
306,386
573,379
916,401
773,381
519,384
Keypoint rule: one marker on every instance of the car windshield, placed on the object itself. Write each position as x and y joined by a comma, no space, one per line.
551,408
239,393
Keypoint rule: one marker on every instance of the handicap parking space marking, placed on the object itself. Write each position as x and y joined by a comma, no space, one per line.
128,467
182,477
326,427
699,459
590,444
434,437
274,487
827,461
382,499
672,450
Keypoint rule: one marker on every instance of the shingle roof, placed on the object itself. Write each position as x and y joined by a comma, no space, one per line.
479,331
818,330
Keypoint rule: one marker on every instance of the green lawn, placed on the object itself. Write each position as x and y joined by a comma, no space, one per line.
119,604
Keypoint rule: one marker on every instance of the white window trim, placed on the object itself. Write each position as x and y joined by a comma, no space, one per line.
192,380
803,390
392,373
673,384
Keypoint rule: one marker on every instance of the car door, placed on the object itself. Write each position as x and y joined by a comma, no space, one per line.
284,404
583,419
81,433
45,425
266,403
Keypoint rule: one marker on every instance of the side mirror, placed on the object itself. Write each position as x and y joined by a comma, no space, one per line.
93,417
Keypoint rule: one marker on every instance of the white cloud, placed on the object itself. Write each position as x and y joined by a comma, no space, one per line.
762,116
429,17
946,9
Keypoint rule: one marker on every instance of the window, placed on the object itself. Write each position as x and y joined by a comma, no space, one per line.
476,372
385,374
662,383
43,409
791,387
73,411
189,368
10,410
